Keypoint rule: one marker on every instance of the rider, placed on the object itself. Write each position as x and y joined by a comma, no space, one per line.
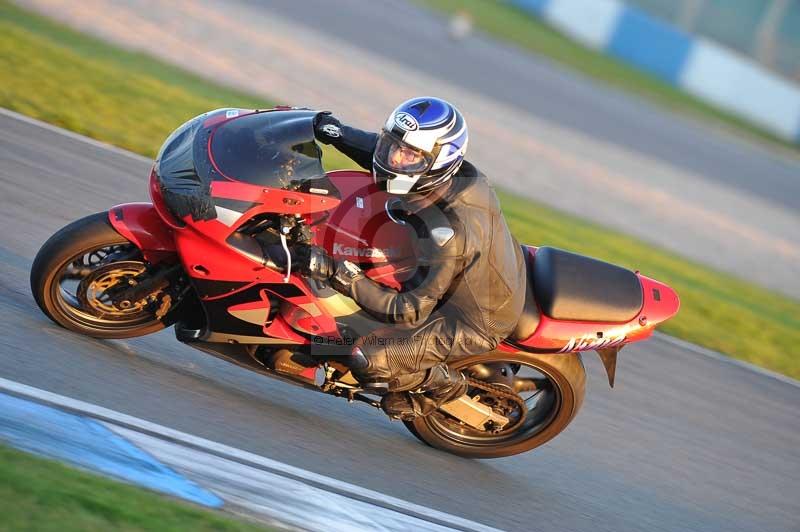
469,288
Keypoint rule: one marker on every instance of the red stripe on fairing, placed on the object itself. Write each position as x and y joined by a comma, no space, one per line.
216,122
211,155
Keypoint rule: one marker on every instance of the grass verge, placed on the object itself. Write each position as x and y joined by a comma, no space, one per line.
512,24
43,495
120,97
718,311
134,102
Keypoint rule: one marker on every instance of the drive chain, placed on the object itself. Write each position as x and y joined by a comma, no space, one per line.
502,392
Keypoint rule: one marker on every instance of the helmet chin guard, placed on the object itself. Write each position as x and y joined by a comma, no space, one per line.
401,184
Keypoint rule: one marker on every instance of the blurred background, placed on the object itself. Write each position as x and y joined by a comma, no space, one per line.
766,31
660,135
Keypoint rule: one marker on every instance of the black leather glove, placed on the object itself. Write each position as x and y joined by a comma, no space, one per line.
345,275
327,127
313,261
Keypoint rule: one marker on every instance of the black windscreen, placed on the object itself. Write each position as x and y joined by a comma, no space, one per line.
271,149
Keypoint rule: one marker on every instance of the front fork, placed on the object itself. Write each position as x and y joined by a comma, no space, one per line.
141,224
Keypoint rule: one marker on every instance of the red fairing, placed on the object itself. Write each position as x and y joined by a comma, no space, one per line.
280,329
659,303
141,224
359,229
207,253
271,199
391,275
158,202
562,336
356,227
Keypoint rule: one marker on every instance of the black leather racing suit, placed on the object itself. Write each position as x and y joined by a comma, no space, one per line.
468,290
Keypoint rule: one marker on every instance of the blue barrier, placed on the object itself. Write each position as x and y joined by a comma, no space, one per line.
698,66
650,44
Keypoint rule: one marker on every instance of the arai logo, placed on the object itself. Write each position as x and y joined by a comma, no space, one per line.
406,121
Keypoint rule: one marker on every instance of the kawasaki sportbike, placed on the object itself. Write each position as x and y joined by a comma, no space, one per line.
232,191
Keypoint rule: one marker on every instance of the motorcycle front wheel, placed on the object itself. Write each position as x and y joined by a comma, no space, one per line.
79,270
555,386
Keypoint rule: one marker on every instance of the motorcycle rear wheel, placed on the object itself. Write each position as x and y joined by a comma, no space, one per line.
74,270
547,415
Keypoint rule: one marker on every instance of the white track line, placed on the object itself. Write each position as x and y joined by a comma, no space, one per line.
670,339
275,497
243,457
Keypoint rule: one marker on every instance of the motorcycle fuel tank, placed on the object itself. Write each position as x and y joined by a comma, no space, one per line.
360,229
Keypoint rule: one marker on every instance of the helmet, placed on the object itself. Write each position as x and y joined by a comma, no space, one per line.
421,146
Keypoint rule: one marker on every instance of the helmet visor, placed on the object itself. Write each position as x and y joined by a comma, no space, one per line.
399,157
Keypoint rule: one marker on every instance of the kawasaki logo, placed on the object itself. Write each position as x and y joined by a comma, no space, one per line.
349,251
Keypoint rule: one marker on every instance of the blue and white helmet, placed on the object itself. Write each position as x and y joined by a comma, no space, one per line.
421,146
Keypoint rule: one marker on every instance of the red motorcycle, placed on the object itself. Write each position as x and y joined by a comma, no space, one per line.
232,191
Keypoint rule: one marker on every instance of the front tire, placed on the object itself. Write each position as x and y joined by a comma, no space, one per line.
74,270
547,416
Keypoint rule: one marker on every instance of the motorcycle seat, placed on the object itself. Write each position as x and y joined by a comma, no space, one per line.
576,287
529,319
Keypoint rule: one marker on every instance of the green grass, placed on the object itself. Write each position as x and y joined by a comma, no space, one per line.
43,495
133,101
717,311
524,30
124,98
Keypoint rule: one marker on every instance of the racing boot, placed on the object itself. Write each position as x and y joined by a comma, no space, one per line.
441,385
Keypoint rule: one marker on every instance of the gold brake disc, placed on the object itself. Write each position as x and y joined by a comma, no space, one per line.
95,289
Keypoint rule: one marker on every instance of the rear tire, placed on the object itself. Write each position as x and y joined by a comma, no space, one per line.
68,245
567,376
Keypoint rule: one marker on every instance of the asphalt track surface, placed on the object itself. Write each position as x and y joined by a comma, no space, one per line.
684,442
536,86
535,128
